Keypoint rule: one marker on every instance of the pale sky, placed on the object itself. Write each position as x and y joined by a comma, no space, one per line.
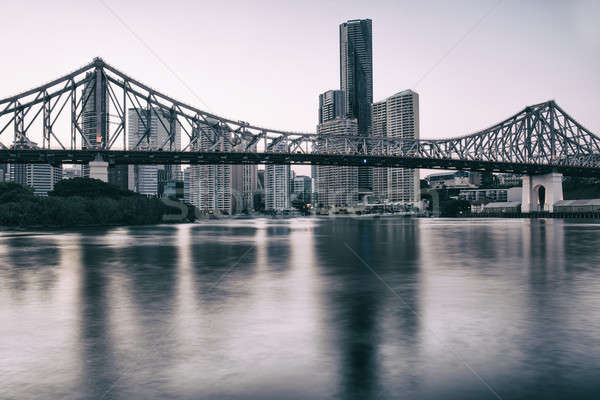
266,62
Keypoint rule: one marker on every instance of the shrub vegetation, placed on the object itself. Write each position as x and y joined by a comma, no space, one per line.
78,202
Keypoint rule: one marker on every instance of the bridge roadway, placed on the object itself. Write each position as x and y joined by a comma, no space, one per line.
120,157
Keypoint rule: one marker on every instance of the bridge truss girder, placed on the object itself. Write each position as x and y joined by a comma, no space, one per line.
540,136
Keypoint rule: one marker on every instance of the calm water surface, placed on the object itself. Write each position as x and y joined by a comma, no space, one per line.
303,309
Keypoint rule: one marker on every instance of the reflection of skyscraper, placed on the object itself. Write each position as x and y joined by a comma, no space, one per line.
356,79
151,135
397,117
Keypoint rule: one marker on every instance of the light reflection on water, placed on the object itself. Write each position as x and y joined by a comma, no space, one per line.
260,309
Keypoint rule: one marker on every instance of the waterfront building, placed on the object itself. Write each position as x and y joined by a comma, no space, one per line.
277,184
508,179
148,130
302,188
40,177
118,175
336,186
210,185
497,195
244,182
73,171
186,185
397,117
356,80
454,180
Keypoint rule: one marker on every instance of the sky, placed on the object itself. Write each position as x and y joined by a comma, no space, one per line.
473,63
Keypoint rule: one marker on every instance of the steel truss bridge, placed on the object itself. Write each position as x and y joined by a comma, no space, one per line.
83,116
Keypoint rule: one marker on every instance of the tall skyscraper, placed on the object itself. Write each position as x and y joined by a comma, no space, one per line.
210,185
91,97
302,188
356,79
397,117
277,184
244,182
331,105
336,186
96,106
148,131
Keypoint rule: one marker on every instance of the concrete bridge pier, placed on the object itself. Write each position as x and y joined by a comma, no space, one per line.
99,169
540,192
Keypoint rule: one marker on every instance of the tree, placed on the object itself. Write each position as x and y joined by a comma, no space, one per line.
88,187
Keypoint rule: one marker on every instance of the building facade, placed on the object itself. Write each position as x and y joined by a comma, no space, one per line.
210,185
397,117
277,184
40,177
149,130
454,180
302,188
356,79
244,182
331,105
95,107
336,186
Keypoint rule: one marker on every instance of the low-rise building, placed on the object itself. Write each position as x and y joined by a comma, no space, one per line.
491,195
505,207
577,206
454,180
509,179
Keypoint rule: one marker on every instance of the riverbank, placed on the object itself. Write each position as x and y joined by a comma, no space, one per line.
79,202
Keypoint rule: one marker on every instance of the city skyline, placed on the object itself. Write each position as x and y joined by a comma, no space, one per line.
450,49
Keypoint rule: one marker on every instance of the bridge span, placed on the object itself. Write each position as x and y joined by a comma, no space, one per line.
82,117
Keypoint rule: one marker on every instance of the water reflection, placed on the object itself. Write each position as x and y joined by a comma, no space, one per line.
304,308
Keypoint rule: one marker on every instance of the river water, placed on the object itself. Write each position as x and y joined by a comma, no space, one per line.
303,309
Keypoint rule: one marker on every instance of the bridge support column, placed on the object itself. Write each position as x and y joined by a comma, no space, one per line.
540,192
99,169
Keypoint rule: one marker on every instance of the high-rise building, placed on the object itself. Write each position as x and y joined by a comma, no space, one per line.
40,177
244,182
118,175
277,184
186,185
210,185
397,117
3,170
96,104
336,186
95,135
331,105
356,79
148,130
302,188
